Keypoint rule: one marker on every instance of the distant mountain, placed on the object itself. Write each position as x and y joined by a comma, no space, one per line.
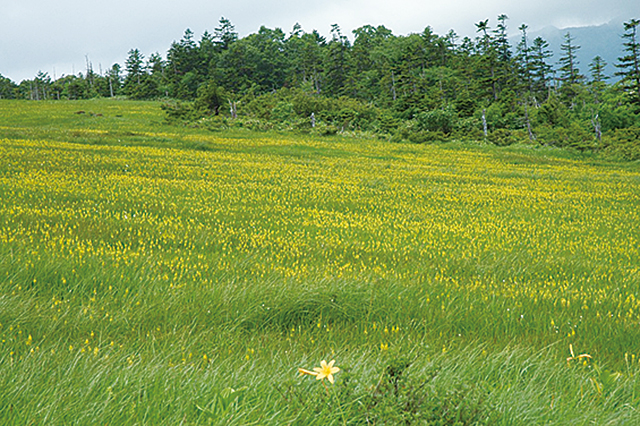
602,40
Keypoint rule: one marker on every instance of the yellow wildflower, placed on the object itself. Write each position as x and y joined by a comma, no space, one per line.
326,370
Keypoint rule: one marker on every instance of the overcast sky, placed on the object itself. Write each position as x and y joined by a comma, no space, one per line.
56,36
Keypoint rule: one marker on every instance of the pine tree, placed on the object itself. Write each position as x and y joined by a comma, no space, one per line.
134,66
501,39
523,58
337,62
597,67
488,58
629,64
569,72
540,69
225,34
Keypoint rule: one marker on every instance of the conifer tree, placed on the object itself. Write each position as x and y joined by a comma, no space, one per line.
597,67
523,58
540,69
629,64
569,72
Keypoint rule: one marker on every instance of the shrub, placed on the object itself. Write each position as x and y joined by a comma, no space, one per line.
573,136
438,120
427,136
506,137
179,112
624,142
283,111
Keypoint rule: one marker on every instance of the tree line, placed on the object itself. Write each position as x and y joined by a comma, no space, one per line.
418,87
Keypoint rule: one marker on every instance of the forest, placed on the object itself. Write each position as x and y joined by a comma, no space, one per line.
417,87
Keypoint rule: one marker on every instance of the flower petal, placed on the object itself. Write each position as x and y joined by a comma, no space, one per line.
310,373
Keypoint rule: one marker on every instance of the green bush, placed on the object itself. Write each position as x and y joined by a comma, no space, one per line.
506,137
209,99
573,136
438,120
624,142
177,111
283,111
427,136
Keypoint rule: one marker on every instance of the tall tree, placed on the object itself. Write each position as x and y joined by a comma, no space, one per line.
487,59
134,65
183,63
569,72
629,64
225,34
540,69
115,80
304,51
337,62
502,40
597,67
523,58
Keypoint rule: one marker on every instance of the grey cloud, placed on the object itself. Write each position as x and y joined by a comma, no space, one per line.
40,35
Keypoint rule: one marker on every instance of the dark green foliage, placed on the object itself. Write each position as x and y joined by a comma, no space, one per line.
629,64
209,99
569,72
574,136
554,113
8,88
443,121
505,137
625,143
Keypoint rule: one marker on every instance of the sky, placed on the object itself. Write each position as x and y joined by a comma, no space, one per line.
59,37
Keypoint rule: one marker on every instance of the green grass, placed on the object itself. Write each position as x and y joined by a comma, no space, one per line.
156,274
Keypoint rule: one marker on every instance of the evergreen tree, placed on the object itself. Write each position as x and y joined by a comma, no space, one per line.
486,60
629,64
208,51
337,63
304,52
597,67
183,64
134,66
597,84
225,34
501,39
569,72
540,69
7,88
115,80
523,57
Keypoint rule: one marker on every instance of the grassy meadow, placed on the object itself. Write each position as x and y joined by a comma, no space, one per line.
156,274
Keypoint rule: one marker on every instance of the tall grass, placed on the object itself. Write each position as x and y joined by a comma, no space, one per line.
152,274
